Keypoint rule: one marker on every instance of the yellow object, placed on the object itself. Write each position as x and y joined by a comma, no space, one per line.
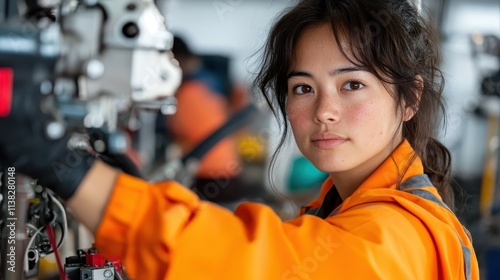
34,200
251,148
48,267
490,167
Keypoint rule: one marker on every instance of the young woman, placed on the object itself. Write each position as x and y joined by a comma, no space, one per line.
358,82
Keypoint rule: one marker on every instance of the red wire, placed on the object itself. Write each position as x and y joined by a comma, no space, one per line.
52,239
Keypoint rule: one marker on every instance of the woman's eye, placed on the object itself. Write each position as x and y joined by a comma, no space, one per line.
302,89
353,85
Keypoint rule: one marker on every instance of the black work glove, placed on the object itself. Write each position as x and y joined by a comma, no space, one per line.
25,145
116,159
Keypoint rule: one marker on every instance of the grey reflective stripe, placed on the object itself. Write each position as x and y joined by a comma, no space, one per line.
429,196
413,185
335,211
417,181
467,254
312,211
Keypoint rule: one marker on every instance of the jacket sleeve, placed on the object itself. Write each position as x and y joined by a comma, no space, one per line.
163,231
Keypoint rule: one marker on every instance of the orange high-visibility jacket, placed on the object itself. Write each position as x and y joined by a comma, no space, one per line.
163,231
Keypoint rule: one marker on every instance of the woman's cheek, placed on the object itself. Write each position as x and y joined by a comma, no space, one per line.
361,113
368,120
295,112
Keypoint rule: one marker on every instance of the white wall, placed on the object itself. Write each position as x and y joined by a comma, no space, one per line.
234,27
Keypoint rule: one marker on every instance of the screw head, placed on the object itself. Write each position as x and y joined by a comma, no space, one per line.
94,69
55,130
107,273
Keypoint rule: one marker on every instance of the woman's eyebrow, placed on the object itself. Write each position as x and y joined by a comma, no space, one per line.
335,72
299,74
343,70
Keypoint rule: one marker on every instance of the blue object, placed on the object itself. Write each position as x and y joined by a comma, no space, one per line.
492,264
208,78
304,175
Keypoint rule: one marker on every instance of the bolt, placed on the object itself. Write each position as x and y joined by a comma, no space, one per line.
107,273
99,146
94,69
55,130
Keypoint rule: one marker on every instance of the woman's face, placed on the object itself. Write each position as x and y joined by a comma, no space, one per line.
342,117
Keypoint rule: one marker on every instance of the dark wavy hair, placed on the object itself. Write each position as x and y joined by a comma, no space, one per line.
395,43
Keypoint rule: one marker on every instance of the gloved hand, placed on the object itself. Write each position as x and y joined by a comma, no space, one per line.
25,146
116,159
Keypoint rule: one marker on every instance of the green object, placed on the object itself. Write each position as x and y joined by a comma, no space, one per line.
304,175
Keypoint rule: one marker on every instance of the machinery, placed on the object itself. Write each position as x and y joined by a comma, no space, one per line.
93,64
484,218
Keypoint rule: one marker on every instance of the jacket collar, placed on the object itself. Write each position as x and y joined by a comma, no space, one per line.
397,167
402,164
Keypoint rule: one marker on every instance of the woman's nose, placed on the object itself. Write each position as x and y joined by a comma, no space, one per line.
327,108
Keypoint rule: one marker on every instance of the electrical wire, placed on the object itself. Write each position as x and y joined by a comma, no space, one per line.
32,227
59,243
61,239
64,230
30,243
32,239
64,217
52,239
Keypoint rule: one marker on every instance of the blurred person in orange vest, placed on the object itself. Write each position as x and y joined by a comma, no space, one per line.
358,82
201,109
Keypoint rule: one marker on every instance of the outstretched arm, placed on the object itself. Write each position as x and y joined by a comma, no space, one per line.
164,231
91,197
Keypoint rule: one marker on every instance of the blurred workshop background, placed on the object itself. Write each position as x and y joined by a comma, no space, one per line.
218,44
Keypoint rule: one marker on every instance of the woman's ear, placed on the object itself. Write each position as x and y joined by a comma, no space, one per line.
410,111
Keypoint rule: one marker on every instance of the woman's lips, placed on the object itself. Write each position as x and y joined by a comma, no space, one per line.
328,140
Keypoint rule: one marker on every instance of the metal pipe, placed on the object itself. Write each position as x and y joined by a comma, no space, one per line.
14,235
3,229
